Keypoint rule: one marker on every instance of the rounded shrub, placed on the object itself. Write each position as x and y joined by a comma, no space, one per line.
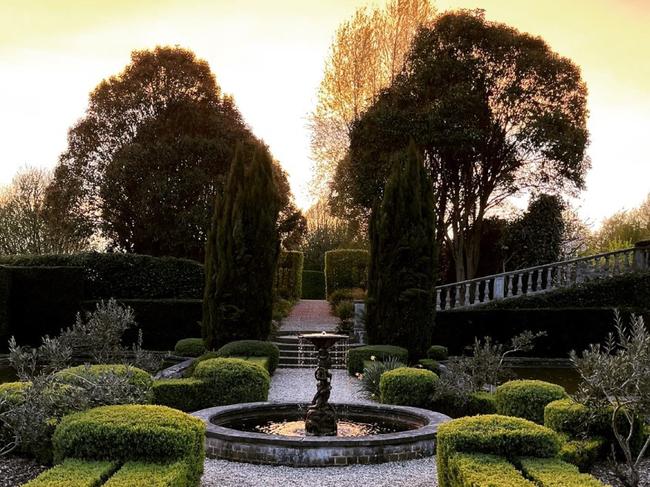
357,356
252,348
494,435
234,380
81,373
132,432
527,398
189,347
188,394
429,364
567,416
438,352
13,392
407,386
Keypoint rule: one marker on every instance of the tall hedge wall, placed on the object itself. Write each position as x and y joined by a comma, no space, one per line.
108,275
346,268
567,328
313,285
288,277
37,301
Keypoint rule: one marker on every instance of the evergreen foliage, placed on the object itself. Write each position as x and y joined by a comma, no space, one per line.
401,307
242,252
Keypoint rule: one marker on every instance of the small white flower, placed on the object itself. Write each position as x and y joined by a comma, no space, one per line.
372,357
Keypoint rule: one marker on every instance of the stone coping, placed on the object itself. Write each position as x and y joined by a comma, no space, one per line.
427,423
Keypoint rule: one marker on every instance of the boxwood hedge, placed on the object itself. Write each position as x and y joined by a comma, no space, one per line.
252,348
234,380
527,398
175,474
407,386
482,470
132,432
551,472
190,347
189,394
79,374
74,472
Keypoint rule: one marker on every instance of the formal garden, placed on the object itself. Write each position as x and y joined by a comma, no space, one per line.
195,330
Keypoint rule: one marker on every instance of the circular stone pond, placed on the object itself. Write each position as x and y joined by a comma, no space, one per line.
368,433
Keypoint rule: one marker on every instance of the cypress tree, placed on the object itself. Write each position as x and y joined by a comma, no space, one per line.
402,274
241,252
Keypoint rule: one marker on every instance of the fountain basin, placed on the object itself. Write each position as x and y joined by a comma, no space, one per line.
417,440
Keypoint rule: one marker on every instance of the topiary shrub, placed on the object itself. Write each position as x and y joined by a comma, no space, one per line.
132,432
407,386
187,395
481,402
582,453
567,416
357,356
551,472
491,434
313,285
429,364
82,373
234,380
438,352
481,470
177,474
527,398
346,268
190,347
252,348
76,473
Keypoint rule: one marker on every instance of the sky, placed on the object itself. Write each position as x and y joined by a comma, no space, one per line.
270,54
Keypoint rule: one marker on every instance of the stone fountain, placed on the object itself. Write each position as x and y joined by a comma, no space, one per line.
319,434
321,418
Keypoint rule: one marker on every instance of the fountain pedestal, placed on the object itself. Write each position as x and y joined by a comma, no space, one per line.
321,416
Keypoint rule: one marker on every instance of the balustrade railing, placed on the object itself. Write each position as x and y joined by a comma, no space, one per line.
542,278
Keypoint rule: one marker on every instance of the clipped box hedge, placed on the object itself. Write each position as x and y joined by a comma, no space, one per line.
132,432
288,276
234,380
482,470
176,474
438,352
313,285
527,398
494,435
551,472
189,394
74,472
346,269
582,453
358,355
406,386
190,347
252,348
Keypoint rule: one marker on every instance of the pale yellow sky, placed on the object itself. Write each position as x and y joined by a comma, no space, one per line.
270,54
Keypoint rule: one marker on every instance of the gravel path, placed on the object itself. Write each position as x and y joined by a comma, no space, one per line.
299,385
310,315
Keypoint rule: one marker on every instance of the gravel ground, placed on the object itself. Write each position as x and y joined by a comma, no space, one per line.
299,385
16,470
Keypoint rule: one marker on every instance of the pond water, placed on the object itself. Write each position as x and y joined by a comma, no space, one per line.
567,377
7,374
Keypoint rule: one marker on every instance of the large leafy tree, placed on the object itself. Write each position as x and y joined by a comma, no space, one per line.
366,55
145,162
242,252
495,112
24,224
402,274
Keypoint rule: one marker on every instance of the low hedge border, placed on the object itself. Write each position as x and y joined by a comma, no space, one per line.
76,473
252,348
482,470
551,472
188,394
527,398
582,453
495,435
356,356
131,474
132,432
80,373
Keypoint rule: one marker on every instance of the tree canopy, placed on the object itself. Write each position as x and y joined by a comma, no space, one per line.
145,162
494,110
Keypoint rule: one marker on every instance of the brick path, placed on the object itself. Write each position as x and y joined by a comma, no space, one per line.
310,315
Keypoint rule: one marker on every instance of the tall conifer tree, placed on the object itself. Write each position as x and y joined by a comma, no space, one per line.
242,252
401,304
